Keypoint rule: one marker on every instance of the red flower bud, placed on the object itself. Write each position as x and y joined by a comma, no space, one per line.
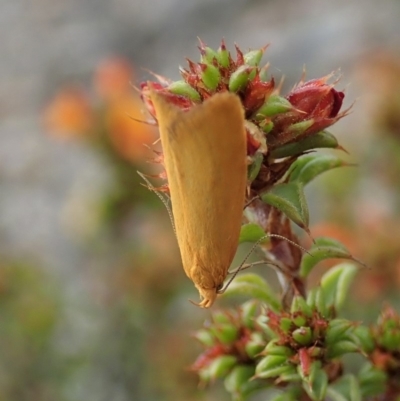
317,99
256,93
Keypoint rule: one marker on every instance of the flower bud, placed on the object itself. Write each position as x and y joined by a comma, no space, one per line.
239,79
317,98
286,324
299,320
205,337
221,366
208,55
223,56
303,335
254,57
266,125
225,333
273,105
210,76
255,345
220,317
300,128
184,89
273,348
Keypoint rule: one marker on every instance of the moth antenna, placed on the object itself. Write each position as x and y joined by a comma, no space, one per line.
240,267
289,241
161,197
147,122
260,262
251,201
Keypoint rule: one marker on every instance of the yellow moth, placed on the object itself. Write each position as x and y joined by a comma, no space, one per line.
205,161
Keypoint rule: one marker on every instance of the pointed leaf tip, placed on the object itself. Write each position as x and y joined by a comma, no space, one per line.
289,198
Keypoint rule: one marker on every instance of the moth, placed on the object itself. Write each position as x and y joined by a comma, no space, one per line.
204,152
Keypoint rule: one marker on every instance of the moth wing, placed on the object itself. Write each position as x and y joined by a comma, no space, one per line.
205,160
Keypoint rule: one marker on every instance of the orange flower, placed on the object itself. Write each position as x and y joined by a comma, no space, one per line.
112,78
69,114
127,135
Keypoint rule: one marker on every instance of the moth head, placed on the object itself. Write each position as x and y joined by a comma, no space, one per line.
208,296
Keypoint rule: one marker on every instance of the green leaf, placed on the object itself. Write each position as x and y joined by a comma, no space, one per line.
317,383
324,248
254,286
322,139
346,388
336,283
289,199
255,166
308,167
251,232
372,381
290,394
239,383
221,366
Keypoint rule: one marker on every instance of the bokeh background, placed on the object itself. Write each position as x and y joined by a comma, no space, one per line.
93,300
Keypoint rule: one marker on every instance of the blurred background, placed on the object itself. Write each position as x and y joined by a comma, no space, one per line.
93,300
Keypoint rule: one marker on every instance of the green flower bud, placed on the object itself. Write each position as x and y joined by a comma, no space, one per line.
221,366
274,105
266,125
286,324
299,128
239,79
273,348
225,333
303,335
253,57
210,76
205,337
182,88
223,57
299,320
208,55
255,345
263,73
220,317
